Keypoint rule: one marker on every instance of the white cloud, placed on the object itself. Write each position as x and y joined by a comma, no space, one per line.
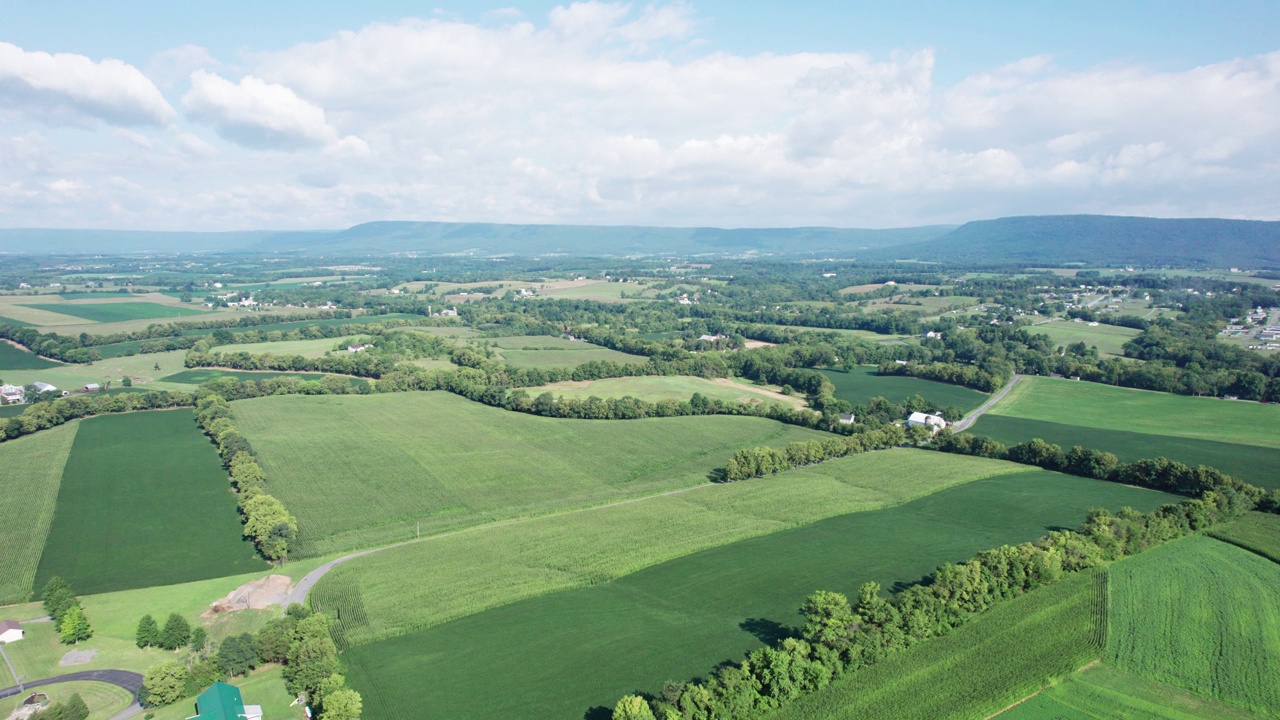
168,67
63,88
259,114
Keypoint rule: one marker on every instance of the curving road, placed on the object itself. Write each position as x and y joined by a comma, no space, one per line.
130,681
972,417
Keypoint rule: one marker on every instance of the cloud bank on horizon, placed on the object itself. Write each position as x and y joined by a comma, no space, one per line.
607,114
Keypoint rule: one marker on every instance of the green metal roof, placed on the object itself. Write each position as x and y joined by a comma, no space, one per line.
220,702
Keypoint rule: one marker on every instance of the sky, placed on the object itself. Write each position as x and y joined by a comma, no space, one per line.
290,115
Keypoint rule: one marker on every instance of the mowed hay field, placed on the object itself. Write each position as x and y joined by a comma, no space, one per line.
144,501
863,383
1251,463
360,471
1106,407
460,574
562,654
32,469
541,351
141,368
670,387
111,312
1104,693
1202,615
13,357
305,348
1109,339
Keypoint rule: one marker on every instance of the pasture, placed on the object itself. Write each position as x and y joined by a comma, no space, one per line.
672,387
1256,532
28,492
440,462
1105,693
1251,463
111,312
1109,339
305,348
561,654
461,574
977,669
1142,411
144,501
544,351
1201,615
13,357
862,384
141,368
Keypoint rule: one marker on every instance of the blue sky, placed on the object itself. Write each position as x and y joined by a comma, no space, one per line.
289,114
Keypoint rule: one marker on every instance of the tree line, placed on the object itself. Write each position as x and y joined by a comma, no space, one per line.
62,605
761,461
52,413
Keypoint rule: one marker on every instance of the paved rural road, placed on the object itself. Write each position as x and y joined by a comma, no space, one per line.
130,681
299,592
972,417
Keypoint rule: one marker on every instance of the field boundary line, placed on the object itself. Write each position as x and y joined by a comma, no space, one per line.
1083,668
971,418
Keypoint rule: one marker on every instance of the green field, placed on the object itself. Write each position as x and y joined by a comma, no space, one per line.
141,368
1112,408
461,574
668,387
133,346
1251,463
863,383
446,462
305,348
196,376
117,312
144,501
15,358
1202,615
102,699
1109,339
561,654
543,351
1256,532
15,323
978,669
28,492
1105,693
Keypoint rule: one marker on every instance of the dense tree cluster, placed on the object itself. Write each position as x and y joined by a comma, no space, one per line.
761,461
52,413
967,375
74,708
62,605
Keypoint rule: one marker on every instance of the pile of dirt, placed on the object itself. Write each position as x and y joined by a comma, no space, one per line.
77,657
257,595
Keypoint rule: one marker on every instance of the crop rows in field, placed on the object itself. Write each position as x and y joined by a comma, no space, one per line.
1105,693
360,471
541,351
562,653
144,501
1202,615
1256,532
32,470
862,384
116,312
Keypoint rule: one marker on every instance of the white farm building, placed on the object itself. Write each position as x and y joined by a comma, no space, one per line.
933,422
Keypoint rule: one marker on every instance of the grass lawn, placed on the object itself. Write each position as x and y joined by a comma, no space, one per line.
360,471
465,573
674,387
16,358
117,312
1256,532
102,699
144,501
1142,411
28,492
863,384
1109,339
264,687
562,654
1251,463
547,351
1202,615
305,348
1105,693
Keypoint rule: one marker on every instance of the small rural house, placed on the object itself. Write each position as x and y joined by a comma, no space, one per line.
933,422
92,387
10,631
13,394
223,702
847,418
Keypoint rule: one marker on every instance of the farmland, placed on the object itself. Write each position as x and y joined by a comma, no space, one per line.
28,491
14,358
1104,693
1255,532
672,387
202,375
563,653
1142,411
1251,463
305,348
144,501
446,462
862,384
1109,339
1200,614
540,351
141,368
462,574
110,312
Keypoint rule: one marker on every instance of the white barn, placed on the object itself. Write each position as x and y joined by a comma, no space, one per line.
933,422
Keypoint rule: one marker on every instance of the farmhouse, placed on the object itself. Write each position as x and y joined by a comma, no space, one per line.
847,418
10,631
223,702
933,422
12,394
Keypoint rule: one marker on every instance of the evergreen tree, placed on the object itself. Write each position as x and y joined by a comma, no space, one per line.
58,597
148,634
176,633
74,626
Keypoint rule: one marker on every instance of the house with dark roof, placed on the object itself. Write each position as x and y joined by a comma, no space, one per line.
10,631
223,702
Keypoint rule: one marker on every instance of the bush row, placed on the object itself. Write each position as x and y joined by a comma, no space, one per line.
761,461
969,376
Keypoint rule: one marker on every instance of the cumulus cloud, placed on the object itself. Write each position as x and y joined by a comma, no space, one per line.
168,67
261,115
63,88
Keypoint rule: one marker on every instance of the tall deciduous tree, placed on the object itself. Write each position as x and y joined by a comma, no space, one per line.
164,683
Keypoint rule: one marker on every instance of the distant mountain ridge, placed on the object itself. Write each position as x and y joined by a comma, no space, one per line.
1026,240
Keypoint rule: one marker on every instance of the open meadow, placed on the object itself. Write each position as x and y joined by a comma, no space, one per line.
544,351
305,348
667,387
144,501
1109,339
863,383
140,368
1202,615
32,471
562,654
360,471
